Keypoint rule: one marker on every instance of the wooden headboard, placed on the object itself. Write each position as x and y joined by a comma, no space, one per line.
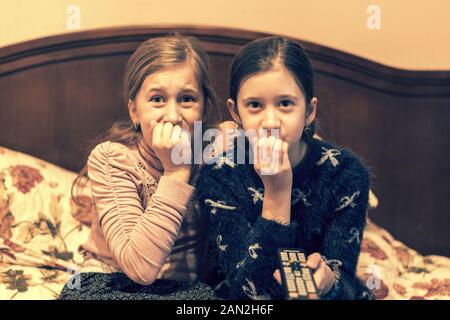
56,93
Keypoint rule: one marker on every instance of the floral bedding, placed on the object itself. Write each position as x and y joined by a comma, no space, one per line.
41,228
396,272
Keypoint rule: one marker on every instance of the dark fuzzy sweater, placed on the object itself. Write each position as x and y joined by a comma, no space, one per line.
329,202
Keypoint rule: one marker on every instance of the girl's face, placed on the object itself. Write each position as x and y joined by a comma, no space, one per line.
273,100
169,95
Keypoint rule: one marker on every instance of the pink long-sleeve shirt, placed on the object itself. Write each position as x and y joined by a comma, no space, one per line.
139,214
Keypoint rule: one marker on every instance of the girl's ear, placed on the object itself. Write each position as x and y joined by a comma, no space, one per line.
233,110
312,112
133,111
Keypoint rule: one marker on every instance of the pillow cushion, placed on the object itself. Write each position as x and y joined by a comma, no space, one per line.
396,272
37,224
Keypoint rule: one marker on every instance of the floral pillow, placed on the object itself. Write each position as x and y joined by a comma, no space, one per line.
396,272
38,225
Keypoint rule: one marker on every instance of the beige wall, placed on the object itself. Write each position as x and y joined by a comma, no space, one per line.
414,34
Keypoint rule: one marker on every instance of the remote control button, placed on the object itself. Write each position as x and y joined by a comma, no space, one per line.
310,287
296,266
292,288
301,257
293,295
300,283
306,273
292,256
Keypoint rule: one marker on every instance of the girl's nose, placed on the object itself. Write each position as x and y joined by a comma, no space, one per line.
172,114
271,120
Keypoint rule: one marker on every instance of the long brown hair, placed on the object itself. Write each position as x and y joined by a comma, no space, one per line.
150,57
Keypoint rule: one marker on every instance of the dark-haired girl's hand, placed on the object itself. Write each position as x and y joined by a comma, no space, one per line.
173,147
324,277
271,162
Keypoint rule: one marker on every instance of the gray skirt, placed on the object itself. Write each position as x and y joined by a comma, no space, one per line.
117,286
97,280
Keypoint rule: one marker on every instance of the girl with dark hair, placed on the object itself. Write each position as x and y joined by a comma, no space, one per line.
298,192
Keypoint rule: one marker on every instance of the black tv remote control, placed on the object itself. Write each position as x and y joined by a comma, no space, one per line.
298,280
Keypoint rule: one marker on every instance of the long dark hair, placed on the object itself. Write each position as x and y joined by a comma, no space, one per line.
267,53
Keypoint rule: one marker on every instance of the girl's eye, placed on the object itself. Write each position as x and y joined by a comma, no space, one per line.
157,99
187,99
254,105
286,103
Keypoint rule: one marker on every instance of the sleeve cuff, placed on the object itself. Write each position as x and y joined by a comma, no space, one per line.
174,189
280,235
333,294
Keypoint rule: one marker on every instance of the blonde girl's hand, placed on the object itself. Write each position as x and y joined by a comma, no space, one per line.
271,162
323,276
165,138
